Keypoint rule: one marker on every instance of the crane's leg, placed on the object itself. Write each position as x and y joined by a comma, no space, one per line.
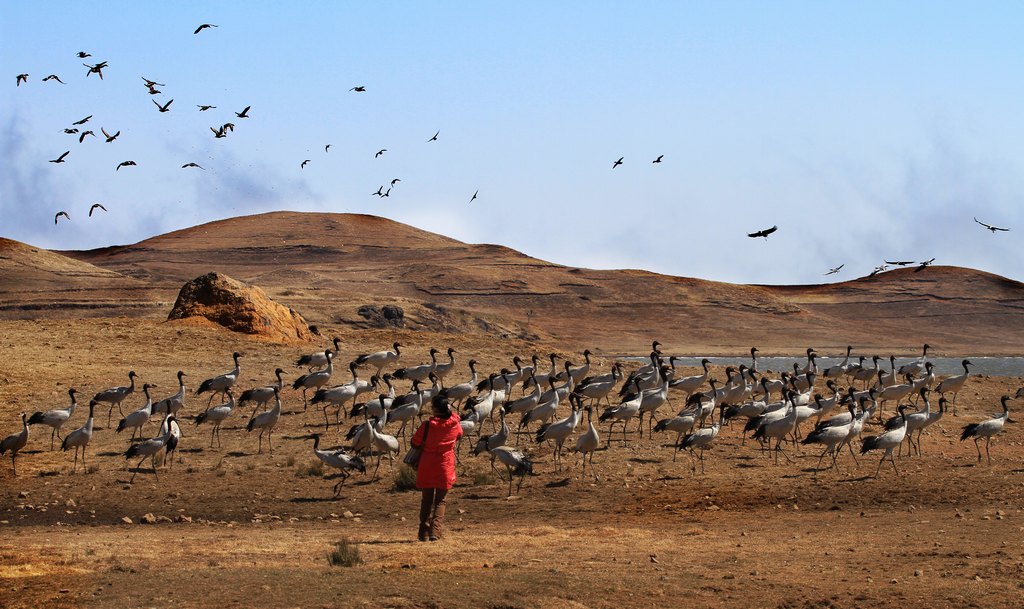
893,459
327,421
592,470
820,457
988,440
51,437
270,442
509,468
978,446
879,468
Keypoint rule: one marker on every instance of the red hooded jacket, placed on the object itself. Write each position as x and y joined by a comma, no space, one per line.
437,464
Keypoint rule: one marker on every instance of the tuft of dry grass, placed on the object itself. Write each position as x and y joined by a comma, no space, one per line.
345,554
311,469
405,479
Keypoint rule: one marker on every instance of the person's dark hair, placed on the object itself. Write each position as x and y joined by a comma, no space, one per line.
440,407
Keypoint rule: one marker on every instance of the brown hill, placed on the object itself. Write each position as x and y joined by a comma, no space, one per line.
35,281
327,266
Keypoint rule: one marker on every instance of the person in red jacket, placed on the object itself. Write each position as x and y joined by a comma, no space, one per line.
436,472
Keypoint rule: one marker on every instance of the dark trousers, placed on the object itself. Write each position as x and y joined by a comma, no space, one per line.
432,513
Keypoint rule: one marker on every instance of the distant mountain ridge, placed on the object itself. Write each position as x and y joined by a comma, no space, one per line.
328,265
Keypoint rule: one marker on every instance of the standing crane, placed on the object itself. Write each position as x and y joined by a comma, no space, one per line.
55,418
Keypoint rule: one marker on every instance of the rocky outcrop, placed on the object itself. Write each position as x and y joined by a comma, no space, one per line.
239,307
383,317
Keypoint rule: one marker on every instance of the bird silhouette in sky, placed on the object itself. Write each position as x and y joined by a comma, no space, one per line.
395,181
96,69
124,164
434,139
878,269
922,265
94,207
473,198
21,78
380,152
164,108
81,138
304,163
152,83
359,89
59,214
204,108
83,121
243,113
899,262
60,159
327,148
764,233
83,55
203,27
71,131
835,270
990,227
110,138
658,160
54,77
186,165
380,191
618,162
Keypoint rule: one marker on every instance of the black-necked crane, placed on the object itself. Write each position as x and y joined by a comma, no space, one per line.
576,373
915,367
216,415
547,406
56,417
690,384
170,423
380,359
955,383
316,380
457,393
377,406
544,380
260,396
913,421
515,463
173,403
487,443
893,392
812,362
647,374
887,441
588,443
318,359
147,449
597,388
483,404
865,375
933,418
406,407
266,421
653,399
339,395
526,403
832,437
221,383
441,369
80,438
985,429
136,419
702,439
778,428
15,442
838,370
115,395
418,373
624,411
338,460
683,422
560,430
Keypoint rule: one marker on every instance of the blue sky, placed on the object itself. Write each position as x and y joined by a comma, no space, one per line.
863,130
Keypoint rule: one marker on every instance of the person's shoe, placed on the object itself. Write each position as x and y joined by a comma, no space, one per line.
424,530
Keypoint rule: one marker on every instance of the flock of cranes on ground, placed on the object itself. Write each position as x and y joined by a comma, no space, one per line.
771,409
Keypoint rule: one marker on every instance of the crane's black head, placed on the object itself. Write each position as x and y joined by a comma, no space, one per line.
236,355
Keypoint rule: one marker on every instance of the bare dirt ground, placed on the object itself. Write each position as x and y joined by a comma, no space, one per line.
236,528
